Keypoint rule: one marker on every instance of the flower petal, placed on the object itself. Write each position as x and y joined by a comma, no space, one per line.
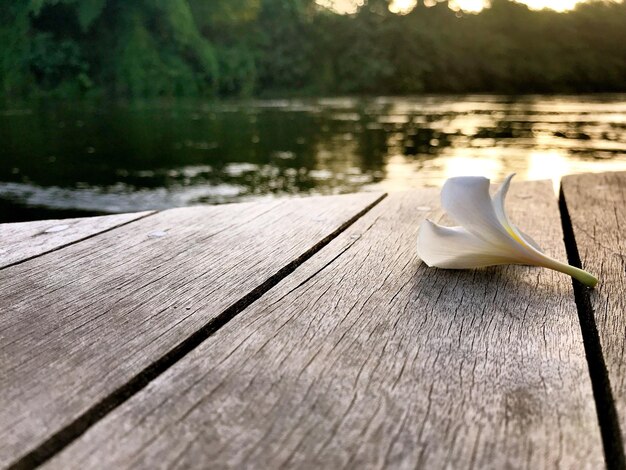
466,199
456,248
498,206
528,239
498,200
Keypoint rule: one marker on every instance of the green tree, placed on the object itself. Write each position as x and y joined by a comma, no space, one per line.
155,48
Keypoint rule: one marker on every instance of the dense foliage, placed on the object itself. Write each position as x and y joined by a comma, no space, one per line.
150,48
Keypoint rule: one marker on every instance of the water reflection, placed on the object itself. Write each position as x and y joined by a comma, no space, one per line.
58,161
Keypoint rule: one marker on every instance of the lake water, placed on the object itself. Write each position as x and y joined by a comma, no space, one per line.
58,161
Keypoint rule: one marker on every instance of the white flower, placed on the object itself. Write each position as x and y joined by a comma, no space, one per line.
486,236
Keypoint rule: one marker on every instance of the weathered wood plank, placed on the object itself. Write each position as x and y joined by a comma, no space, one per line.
365,358
596,204
24,240
78,323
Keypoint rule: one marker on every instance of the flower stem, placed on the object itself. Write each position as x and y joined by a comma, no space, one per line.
583,276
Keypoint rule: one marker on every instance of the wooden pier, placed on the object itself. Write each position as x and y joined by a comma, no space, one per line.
306,333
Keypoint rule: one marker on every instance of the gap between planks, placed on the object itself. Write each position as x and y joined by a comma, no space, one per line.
65,436
43,250
605,402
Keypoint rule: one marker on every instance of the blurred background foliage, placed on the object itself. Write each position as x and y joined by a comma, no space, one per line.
222,48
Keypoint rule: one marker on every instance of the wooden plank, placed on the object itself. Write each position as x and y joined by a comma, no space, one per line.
596,204
77,324
365,358
25,240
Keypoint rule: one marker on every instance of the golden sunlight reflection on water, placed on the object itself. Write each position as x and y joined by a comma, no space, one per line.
538,138
496,164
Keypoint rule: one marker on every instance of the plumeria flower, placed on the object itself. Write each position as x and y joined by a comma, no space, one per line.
486,236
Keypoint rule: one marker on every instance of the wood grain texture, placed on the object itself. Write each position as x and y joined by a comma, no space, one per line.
24,240
366,358
596,204
78,323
